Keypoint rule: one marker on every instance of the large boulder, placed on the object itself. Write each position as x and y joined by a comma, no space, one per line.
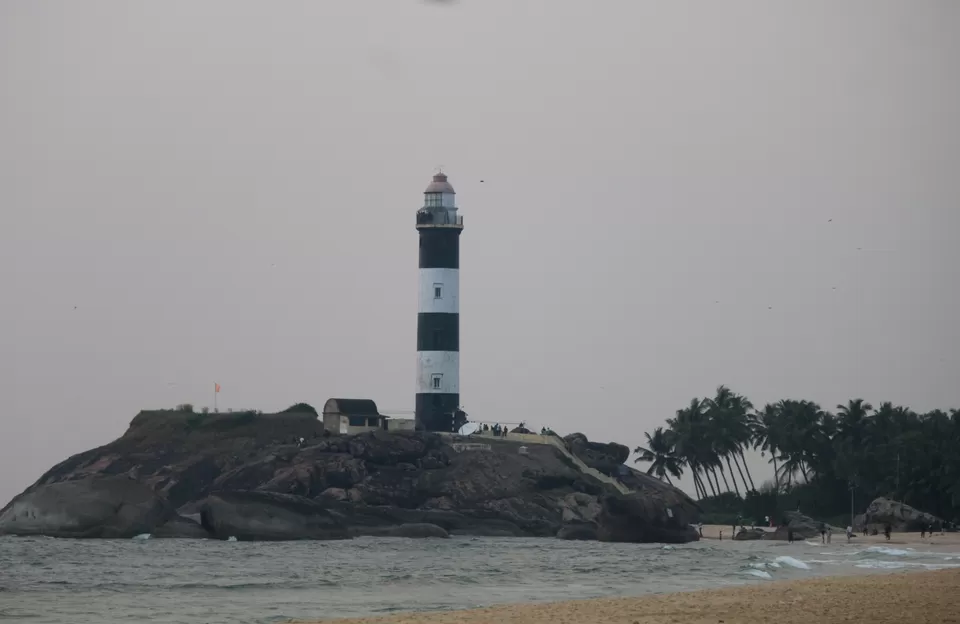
642,517
803,527
578,531
605,457
390,449
108,507
411,530
900,517
180,527
268,516
745,534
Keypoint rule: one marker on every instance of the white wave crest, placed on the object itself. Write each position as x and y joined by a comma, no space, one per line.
142,536
793,563
758,573
891,552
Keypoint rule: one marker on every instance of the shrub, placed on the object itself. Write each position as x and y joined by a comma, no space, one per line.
242,418
301,408
185,407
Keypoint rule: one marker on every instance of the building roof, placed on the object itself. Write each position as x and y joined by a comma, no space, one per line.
440,185
351,407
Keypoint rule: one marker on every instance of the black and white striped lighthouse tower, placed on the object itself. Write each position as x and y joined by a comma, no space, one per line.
438,318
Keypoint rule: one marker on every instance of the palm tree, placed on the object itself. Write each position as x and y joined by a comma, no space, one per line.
768,435
889,450
741,407
688,428
661,452
727,430
852,420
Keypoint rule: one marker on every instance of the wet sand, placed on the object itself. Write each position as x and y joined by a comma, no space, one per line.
878,599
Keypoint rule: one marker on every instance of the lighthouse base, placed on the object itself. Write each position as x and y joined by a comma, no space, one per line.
435,411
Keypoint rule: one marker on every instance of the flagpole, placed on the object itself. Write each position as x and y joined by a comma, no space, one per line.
215,411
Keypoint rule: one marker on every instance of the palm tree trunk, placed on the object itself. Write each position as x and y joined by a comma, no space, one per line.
704,477
746,488
698,484
803,471
747,468
716,489
776,472
733,477
716,479
724,475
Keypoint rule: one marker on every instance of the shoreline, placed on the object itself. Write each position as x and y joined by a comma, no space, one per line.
877,598
712,532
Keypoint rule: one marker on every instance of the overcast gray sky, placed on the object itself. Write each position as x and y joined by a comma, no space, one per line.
199,192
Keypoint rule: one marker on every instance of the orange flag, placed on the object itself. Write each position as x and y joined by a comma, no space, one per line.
216,387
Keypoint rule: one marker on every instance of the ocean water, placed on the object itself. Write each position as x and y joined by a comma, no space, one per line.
208,582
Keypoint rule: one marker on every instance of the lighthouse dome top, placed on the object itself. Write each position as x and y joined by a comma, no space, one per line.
439,184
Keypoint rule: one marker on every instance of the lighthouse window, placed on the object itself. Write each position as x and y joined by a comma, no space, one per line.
438,291
436,381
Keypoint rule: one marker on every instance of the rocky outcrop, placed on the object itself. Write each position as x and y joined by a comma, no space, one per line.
578,531
268,516
803,527
900,517
180,527
605,457
749,534
647,516
278,476
412,530
114,507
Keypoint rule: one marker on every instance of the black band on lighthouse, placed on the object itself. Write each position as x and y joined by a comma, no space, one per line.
434,411
438,332
439,249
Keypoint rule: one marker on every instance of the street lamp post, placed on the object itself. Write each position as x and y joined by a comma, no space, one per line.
853,486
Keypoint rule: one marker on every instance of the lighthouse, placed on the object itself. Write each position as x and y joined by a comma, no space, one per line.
438,317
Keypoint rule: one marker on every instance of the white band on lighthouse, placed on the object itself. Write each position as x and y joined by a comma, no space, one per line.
438,372
439,291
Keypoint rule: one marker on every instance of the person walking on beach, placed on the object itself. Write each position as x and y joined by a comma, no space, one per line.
823,533
829,534
849,533
887,530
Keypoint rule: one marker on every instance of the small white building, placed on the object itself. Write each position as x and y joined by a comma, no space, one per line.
351,416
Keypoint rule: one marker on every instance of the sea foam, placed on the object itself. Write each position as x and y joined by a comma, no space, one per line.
793,563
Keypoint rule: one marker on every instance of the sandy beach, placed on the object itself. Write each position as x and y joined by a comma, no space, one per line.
713,532
878,599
